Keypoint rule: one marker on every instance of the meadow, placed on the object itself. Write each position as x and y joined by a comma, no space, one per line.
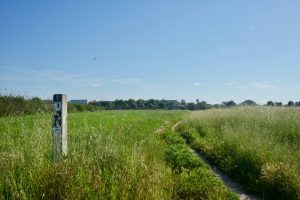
112,155
259,147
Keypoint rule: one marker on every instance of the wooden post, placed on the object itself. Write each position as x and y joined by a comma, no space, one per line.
60,136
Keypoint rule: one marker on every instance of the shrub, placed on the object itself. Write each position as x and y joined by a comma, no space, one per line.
17,105
188,133
172,138
179,157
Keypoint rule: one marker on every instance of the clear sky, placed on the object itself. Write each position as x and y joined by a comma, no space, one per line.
213,50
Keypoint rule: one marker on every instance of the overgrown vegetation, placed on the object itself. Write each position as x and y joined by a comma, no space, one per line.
193,178
112,155
18,105
72,108
257,146
120,154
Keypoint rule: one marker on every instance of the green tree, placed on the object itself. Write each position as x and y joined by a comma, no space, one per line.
291,103
249,103
191,106
228,104
140,104
270,103
132,104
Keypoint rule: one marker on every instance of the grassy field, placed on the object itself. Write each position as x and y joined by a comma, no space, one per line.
257,146
112,155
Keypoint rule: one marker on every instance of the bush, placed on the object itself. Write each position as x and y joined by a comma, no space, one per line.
179,157
172,138
17,105
82,108
188,133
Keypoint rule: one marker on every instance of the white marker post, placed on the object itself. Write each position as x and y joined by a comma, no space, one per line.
60,136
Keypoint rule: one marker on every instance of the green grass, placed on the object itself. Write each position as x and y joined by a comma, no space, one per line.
259,147
112,155
192,177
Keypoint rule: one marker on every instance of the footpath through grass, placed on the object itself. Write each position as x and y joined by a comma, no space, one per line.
257,146
193,178
112,155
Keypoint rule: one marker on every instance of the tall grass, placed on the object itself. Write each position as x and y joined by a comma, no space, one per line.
193,178
257,146
112,155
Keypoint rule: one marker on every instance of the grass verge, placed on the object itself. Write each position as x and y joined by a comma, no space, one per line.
258,147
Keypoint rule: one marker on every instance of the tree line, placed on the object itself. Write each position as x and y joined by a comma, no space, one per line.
18,105
139,104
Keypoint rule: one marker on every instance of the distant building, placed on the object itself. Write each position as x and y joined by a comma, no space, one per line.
79,101
173,104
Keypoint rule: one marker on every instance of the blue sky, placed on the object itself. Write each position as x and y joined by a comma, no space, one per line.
211,50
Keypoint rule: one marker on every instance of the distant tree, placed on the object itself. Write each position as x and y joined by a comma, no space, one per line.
132,104
297,103
228,104
209,106
94,103
151,104
182,104
291,103
140,103
163,104
197,104
216,106
202,105
270,103
36,99
119,104
249,103
278,104
191,106
111,105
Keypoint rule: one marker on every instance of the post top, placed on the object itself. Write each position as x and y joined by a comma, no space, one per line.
58,97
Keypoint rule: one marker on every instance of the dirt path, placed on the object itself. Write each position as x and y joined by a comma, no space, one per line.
163,128
234,186
175,126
